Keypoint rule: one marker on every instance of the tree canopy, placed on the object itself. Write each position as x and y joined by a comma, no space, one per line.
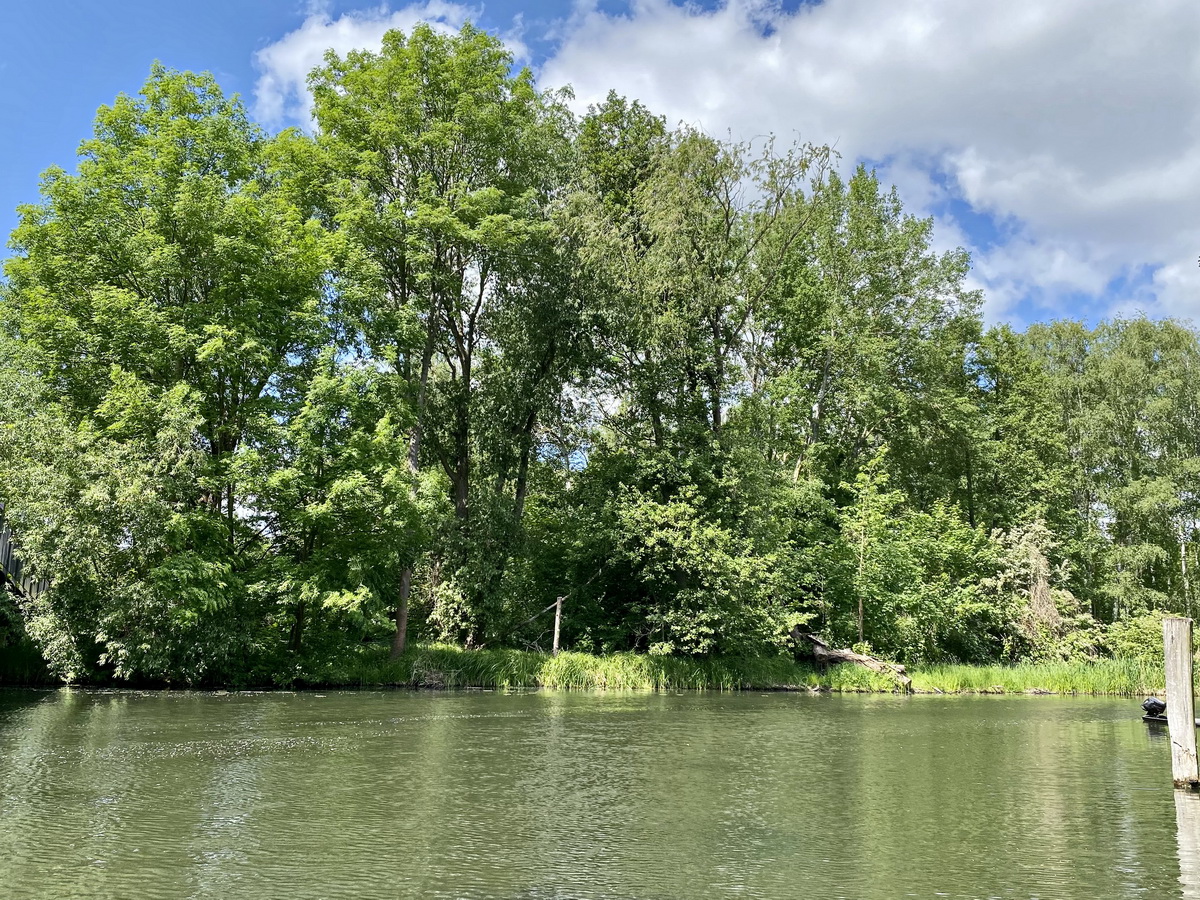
278,401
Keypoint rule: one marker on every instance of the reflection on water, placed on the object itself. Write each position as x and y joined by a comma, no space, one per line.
1158,731
555,795
1187,824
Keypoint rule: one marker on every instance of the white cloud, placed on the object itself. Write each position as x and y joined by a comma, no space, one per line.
1177,289
281,93
1077,121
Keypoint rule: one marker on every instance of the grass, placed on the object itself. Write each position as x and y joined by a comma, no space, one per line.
445,666
1101,676
441,666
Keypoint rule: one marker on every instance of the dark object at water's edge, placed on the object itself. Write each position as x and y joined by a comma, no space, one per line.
1156,711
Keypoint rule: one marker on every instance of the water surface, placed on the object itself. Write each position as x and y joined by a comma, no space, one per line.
580,795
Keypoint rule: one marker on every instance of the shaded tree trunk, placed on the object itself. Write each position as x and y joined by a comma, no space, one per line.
400,637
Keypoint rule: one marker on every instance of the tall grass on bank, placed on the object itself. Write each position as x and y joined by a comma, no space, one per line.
440,666
1100,676
446,666
443,666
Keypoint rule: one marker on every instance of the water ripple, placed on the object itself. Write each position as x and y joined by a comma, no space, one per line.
548,796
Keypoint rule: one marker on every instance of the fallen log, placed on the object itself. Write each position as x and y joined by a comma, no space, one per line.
826,655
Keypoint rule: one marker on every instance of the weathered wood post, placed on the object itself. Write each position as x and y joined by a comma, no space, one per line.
557,622
1181,702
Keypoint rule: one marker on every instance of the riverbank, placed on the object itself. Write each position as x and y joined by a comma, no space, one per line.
450,667
442,666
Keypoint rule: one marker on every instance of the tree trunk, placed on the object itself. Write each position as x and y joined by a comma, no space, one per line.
462,452
862,558
826,655
297,636
522,486
970,488
400,638
462,482
231,518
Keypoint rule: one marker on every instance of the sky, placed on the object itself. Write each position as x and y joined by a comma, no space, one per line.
1058,142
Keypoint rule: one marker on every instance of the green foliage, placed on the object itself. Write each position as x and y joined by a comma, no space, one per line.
446,666
1138,637
169,303
270,399
698,586
914,580
443,170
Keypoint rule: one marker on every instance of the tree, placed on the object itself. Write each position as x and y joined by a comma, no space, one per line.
863,342
170,297
1125,396
448,167
865,524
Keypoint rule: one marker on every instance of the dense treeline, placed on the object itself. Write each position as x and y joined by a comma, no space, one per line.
271,400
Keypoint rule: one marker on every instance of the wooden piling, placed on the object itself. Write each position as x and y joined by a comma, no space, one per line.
558,622
1181,703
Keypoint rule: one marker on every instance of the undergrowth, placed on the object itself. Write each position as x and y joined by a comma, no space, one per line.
21,664
444,666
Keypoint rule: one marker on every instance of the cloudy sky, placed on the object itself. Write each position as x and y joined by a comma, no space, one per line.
1058,142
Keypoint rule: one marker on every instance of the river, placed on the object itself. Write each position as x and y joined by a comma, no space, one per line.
586,795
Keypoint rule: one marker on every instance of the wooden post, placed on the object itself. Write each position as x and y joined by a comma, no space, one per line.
557,622
1181,703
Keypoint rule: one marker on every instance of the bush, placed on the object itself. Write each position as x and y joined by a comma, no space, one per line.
1139,637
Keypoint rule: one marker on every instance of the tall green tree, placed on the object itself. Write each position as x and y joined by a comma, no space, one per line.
684,235
1018,470
864,340
448,166
171,298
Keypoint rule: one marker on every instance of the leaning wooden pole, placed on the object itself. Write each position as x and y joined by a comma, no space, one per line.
1181,702
557,622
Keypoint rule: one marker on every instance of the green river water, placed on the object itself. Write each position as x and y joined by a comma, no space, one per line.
583,795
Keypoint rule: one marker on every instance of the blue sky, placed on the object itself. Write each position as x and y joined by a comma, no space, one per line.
1059,143
63,59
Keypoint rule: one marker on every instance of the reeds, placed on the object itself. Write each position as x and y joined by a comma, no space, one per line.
1101,676
441,666
445,666
450,667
